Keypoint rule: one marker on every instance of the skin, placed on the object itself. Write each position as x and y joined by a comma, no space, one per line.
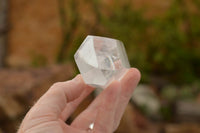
58,103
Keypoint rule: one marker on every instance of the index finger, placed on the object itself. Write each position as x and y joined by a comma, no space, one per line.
129,83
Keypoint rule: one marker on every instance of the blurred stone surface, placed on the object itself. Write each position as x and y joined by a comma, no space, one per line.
20,88
133,121
10,106
169,92
182,128
144,97
187,111
34,31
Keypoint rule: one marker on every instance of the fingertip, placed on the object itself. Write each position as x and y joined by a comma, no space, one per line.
132,73
131,79
135,73
77,78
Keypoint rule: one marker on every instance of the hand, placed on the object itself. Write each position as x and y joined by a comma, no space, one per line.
51,111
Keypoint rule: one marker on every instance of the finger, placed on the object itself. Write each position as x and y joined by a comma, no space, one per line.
57,97
70,107
53,102
128,83
106,112
88,116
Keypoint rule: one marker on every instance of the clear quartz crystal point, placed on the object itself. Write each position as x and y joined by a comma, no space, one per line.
101,60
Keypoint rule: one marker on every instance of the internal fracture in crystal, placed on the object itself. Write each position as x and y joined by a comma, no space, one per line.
101,60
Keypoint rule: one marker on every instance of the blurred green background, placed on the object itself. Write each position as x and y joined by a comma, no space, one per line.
165,45
162,40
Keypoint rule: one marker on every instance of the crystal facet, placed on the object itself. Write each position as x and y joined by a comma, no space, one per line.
101,60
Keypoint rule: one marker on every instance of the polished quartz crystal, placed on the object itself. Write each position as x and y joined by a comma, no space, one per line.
101,60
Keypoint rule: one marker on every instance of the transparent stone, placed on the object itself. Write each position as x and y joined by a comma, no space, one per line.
101,60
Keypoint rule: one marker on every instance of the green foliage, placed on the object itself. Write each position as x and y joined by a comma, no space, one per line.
166,113
169,93
167,46
186,93
130,27
68,27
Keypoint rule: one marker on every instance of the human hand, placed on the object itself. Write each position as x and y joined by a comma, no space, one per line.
51,111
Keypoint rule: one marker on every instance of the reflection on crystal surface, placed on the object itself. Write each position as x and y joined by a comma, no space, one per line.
101,60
